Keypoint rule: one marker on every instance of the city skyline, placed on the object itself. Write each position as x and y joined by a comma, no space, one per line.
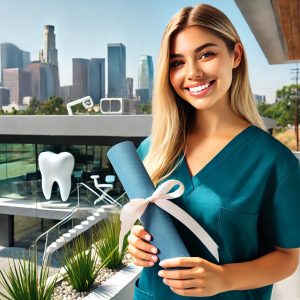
84,28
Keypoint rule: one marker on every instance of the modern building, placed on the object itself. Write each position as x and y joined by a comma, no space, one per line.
146,74
45,81
142,95
65,93
12,57
4,96
96,79
259,99
80,78
18,81
117,70
49,53
129,84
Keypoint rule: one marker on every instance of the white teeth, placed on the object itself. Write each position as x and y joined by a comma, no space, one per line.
56,167
199,88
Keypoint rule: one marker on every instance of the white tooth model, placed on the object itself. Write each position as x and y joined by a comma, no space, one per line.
56,167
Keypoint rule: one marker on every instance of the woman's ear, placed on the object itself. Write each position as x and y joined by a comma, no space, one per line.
237,54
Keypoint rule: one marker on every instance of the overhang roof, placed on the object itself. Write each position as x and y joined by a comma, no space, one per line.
276,26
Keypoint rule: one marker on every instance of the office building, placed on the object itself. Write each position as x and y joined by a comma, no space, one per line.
12,57
117,70
145,75
96,79
80,78
129,85
4,96
259,99
65,93
45,81
18,82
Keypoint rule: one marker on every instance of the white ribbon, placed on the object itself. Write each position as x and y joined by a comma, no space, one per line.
134,209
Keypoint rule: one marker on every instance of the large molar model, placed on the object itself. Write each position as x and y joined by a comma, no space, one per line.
56,167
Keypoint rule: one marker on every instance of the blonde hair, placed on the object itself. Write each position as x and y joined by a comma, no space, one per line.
172,118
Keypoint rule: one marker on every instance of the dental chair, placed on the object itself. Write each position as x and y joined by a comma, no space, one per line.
104,188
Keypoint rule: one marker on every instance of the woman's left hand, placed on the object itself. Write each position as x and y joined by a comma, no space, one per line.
200,278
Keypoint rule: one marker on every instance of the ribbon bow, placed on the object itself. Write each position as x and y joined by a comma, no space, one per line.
134,209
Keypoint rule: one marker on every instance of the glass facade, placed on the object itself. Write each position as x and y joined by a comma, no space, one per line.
20,178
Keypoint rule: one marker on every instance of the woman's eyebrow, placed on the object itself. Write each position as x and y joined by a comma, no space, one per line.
172,55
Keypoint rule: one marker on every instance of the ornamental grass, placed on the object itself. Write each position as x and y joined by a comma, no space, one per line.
25,280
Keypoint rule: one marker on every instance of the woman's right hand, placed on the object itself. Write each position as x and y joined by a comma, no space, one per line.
142,252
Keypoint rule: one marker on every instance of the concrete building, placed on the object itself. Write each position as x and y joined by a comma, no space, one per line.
18,82
146,75
259,99
116,70
12,57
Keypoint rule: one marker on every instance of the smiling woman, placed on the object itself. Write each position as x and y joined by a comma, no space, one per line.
205,124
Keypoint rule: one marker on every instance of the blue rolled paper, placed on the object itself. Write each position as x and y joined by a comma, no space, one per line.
137,184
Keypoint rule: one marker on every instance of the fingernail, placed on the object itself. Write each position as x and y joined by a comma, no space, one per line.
151,263
154,258
153,250
161,273
162,263
148,237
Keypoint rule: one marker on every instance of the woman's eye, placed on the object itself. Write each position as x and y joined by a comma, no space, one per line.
176,63
206,55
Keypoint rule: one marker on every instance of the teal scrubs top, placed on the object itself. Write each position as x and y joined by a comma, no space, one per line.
247,198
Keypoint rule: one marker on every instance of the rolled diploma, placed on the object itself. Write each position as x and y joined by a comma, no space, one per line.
137,184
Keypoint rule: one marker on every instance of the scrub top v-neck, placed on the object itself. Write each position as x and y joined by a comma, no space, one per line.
246,198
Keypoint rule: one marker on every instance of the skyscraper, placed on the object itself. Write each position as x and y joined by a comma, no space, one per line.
129,83
80,78
145,76
4,96
117,70
96,79
12,57
49,53
48,57
18,82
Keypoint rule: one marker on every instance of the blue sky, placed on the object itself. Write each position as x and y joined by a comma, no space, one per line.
84,27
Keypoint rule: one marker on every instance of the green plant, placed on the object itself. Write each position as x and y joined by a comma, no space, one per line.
23,280
81,264
107,240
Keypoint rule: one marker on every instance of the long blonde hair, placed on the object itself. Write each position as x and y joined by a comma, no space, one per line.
172,118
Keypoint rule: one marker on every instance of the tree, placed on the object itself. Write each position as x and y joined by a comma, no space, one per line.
54,106
283,111
34,107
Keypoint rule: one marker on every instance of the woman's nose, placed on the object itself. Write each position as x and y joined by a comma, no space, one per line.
194,71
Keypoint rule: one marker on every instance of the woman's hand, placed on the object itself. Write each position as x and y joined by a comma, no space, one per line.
201,278
142,252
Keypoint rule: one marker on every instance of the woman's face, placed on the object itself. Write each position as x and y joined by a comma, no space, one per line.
201,67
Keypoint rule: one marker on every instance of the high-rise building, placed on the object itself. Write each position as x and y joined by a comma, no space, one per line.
96,79
12,57
65,93
44,80
117,70
80,78
129,85
49,53
88,78
18,82
146,73
48,58
4,96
